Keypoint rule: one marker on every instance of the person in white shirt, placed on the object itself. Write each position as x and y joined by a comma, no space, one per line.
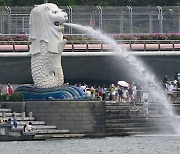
28,127
146,108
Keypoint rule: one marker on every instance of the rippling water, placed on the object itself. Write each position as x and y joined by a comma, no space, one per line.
108,145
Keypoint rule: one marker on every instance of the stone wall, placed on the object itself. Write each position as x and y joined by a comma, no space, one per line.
76,116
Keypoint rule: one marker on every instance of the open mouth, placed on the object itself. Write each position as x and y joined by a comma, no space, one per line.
58,23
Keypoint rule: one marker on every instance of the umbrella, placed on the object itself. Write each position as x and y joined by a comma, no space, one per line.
123,83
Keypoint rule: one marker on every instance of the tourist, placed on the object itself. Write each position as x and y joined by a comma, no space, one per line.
120,92
146,108
170,88
177,77
113,93
2,121
14,121
139,92
10,90
97,91
93,91
165,82
88,92
28,127
130,93
104,89
134,89
178,85
125,94
1,88
83,87
8,121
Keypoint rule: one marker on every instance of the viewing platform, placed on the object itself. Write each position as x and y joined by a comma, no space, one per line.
77,119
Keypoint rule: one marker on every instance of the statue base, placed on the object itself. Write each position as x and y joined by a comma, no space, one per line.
59,93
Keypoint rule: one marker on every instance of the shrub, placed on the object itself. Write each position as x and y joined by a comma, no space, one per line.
76,38
4,97
16,97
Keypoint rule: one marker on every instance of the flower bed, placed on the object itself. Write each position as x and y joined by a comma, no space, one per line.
153,36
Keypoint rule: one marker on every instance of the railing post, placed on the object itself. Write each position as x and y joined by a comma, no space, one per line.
23,115
101,47
159,46
173,46
130,45
14,48
72,46
28,45
144,45
3,115
30,114
87,47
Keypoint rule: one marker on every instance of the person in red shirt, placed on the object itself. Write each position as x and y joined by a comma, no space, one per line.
9,89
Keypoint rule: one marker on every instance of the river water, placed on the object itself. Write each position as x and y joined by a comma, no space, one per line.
108,145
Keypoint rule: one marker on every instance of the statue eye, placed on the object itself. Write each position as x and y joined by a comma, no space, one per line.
54,12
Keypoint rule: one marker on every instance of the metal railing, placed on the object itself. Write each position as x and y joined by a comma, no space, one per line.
117,19
97,45
174,96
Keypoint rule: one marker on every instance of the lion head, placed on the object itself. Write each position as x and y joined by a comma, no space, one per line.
46,24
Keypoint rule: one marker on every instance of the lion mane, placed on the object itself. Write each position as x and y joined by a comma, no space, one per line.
41,27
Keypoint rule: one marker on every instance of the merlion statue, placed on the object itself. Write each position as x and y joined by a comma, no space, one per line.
46,35
47,43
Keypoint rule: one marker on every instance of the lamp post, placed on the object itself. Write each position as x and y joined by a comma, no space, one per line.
9,18
151,21
92,20
122,22
160,18
100,17
130,20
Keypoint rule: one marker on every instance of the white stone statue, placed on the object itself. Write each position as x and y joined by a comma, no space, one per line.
47,44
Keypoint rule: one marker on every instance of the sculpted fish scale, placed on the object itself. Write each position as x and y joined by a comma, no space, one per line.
47,45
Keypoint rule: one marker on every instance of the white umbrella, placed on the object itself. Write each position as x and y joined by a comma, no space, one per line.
123,83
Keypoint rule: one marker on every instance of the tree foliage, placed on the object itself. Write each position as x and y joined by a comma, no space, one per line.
93,2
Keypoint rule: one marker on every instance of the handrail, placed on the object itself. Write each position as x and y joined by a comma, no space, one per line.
98,41
174,96
98,45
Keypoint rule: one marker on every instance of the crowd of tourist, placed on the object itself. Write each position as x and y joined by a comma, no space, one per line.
27,127
114,93
172,87
117,93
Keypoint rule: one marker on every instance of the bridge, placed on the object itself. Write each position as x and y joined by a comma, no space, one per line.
91,62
